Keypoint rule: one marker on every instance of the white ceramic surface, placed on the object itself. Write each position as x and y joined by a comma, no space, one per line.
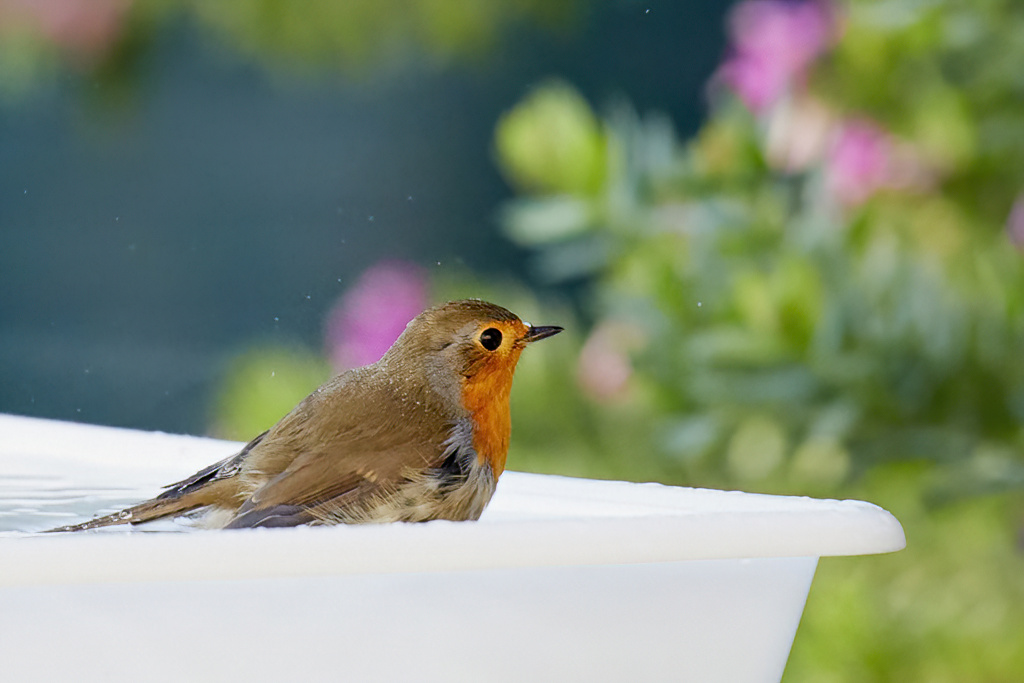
562,579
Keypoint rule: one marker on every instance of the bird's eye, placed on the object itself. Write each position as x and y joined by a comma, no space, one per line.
490,338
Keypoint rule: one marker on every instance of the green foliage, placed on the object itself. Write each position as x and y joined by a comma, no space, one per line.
356,33
946,74
942,610
553,143
892,331
261,386
108,39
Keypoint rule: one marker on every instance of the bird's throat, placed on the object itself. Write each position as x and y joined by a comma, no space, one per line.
486,397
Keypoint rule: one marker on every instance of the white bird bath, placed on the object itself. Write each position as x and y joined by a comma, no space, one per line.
561,580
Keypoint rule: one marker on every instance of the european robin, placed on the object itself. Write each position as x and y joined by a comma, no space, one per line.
421,434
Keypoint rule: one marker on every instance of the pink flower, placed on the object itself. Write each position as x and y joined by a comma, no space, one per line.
1015,223
86,28
773,44
374,312
604,368
865,159
858,165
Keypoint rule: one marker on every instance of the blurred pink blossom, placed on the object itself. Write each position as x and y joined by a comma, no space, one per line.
858,164
85,28
604,368
865,159
374,312
1015,223
773,44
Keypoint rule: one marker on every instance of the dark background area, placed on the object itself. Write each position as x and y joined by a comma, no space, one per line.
154,226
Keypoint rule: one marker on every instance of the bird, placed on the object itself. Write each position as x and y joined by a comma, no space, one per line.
422,434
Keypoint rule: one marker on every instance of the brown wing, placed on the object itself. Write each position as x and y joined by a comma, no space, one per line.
218,471
343,447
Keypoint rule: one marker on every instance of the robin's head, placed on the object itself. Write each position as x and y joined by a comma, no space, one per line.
466,351
469,337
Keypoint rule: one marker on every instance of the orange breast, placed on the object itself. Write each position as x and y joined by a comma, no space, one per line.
485,396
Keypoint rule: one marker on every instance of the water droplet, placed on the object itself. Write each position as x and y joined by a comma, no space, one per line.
276,319
309,296
699,304
371,219
272,373
124,514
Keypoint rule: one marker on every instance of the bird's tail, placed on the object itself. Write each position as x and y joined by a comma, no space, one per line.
137,514
203,488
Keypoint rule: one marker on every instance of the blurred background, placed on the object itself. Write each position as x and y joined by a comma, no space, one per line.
786,238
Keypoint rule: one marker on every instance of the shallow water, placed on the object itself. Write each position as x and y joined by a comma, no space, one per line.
32,502
58,473
31,505
37,502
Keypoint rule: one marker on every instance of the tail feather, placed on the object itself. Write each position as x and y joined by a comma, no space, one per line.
137,514
203,488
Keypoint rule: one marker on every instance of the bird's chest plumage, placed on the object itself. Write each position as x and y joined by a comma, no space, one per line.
457,489
486,398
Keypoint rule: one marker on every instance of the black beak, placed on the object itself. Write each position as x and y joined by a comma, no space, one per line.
538,333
